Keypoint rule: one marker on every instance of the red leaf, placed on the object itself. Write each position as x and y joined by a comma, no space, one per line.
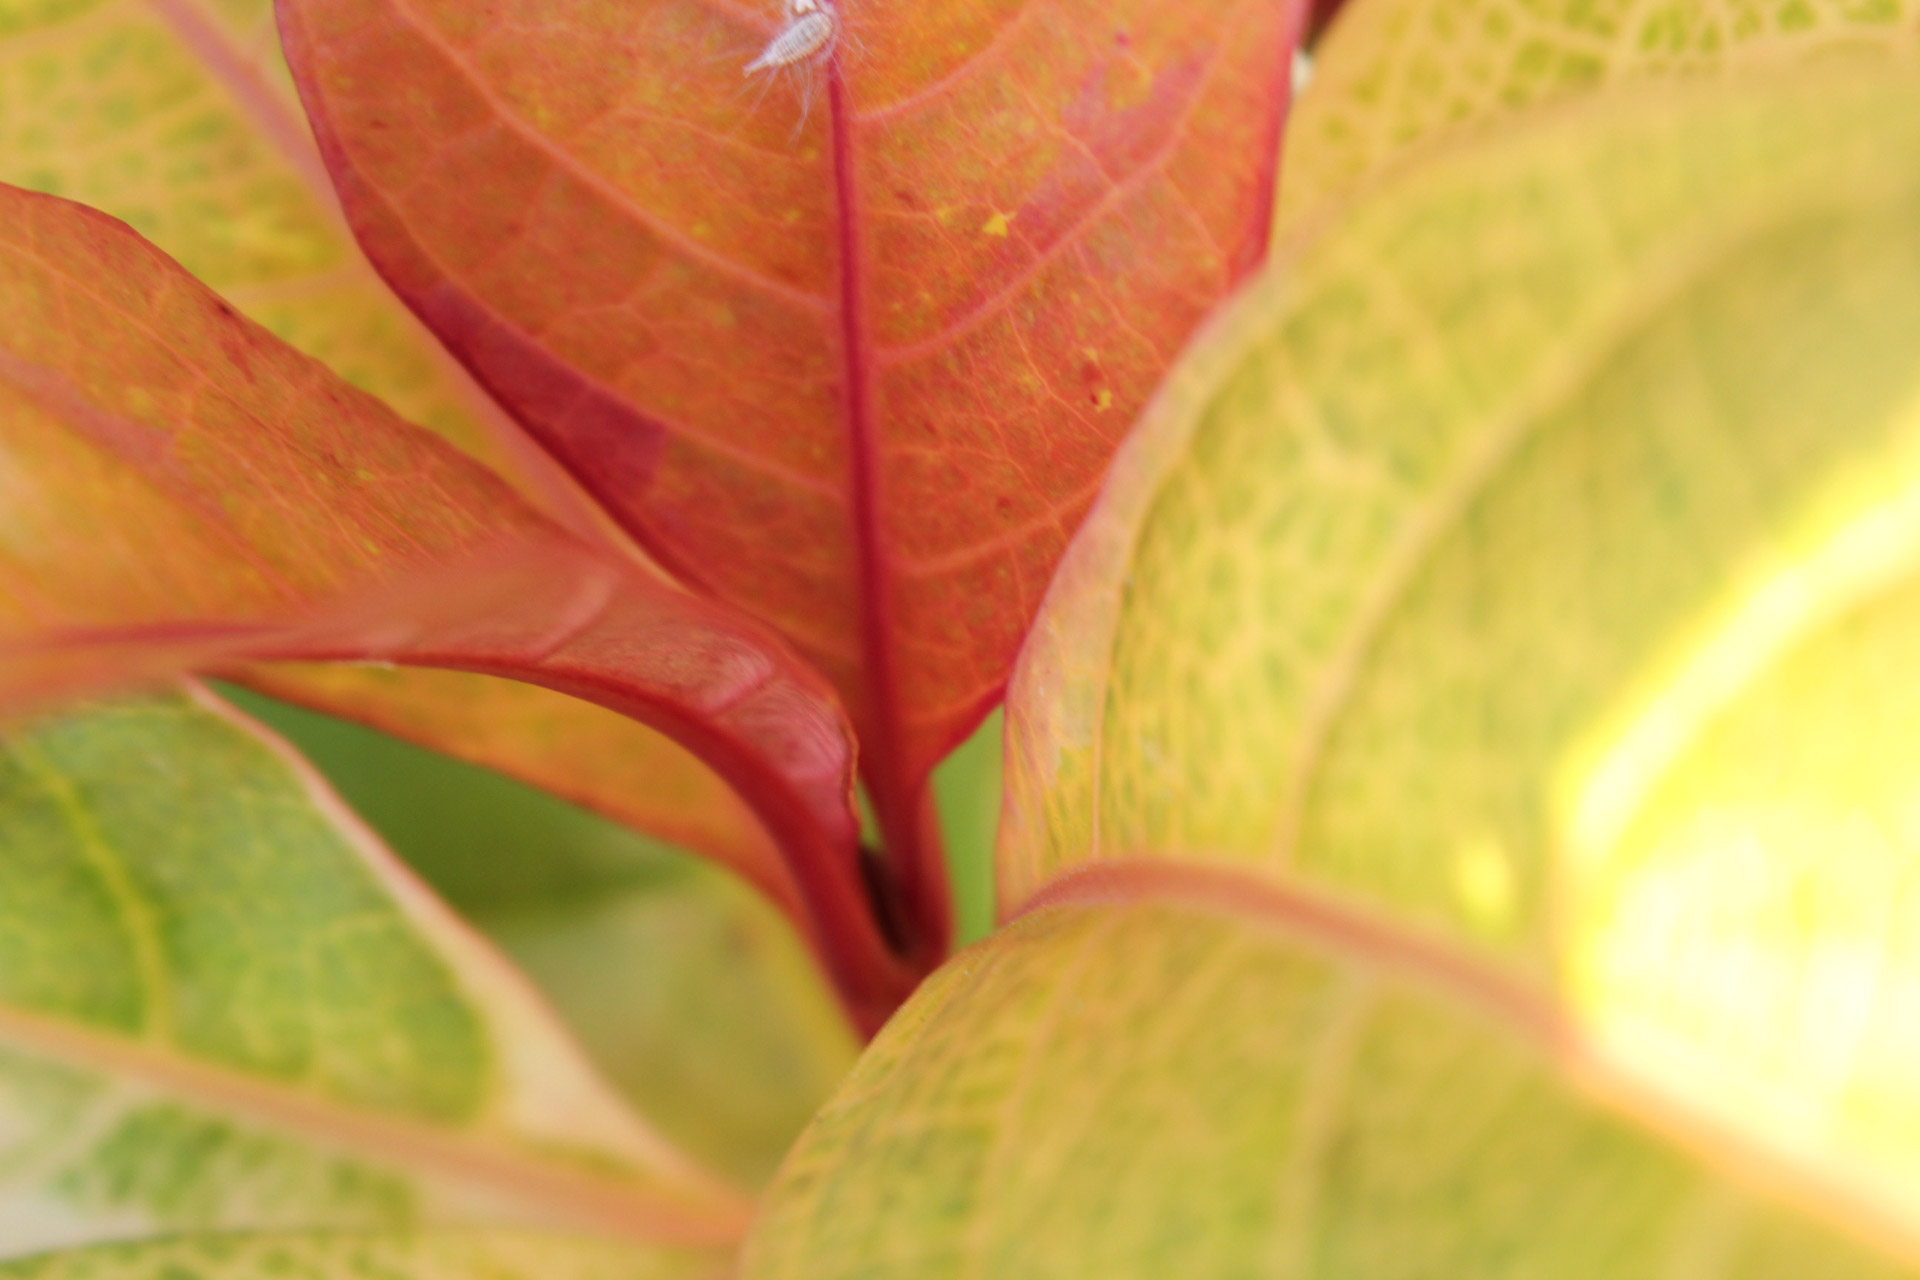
858,370
179,489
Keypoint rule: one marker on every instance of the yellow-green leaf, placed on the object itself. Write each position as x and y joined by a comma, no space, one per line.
178,117
223,1006
437,1255
1394,78
1139,1088
1532,557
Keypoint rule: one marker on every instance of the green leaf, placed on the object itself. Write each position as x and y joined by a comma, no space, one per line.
967,786
224,1007
1395,79
694,996
1531,558
1235,1088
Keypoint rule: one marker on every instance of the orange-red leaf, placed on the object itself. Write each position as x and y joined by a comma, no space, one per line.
179,489
851,352
584,753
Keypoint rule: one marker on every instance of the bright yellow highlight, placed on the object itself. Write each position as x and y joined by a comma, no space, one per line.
1744,858
1532,558
1876,550
1483,877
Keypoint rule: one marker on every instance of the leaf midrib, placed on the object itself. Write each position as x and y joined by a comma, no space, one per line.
138,921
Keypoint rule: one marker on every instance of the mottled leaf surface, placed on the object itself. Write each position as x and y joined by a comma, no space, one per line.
1533,558
438,1255
1396,77
850,349
224,1007
1142,1089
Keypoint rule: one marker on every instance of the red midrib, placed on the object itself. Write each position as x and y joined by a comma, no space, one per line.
913,856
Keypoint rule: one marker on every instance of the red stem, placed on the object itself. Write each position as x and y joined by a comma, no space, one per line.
915,864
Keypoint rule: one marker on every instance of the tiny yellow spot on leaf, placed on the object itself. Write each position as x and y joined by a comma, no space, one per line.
997,225
1103,399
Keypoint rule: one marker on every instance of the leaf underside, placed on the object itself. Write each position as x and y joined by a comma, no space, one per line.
857,370
605,762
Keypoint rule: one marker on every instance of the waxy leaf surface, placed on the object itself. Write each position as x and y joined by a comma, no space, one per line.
1533,559
224,1007
851,349
182,489
1134,1088
1394,78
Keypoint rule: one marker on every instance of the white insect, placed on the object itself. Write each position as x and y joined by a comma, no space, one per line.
812,27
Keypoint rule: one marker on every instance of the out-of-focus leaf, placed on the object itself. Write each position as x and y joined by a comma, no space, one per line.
1395,77
615,766
179,117
224,1007
691,994
1132,1088
696,998
178,488
856,368
967,786
437,1255
1533,558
